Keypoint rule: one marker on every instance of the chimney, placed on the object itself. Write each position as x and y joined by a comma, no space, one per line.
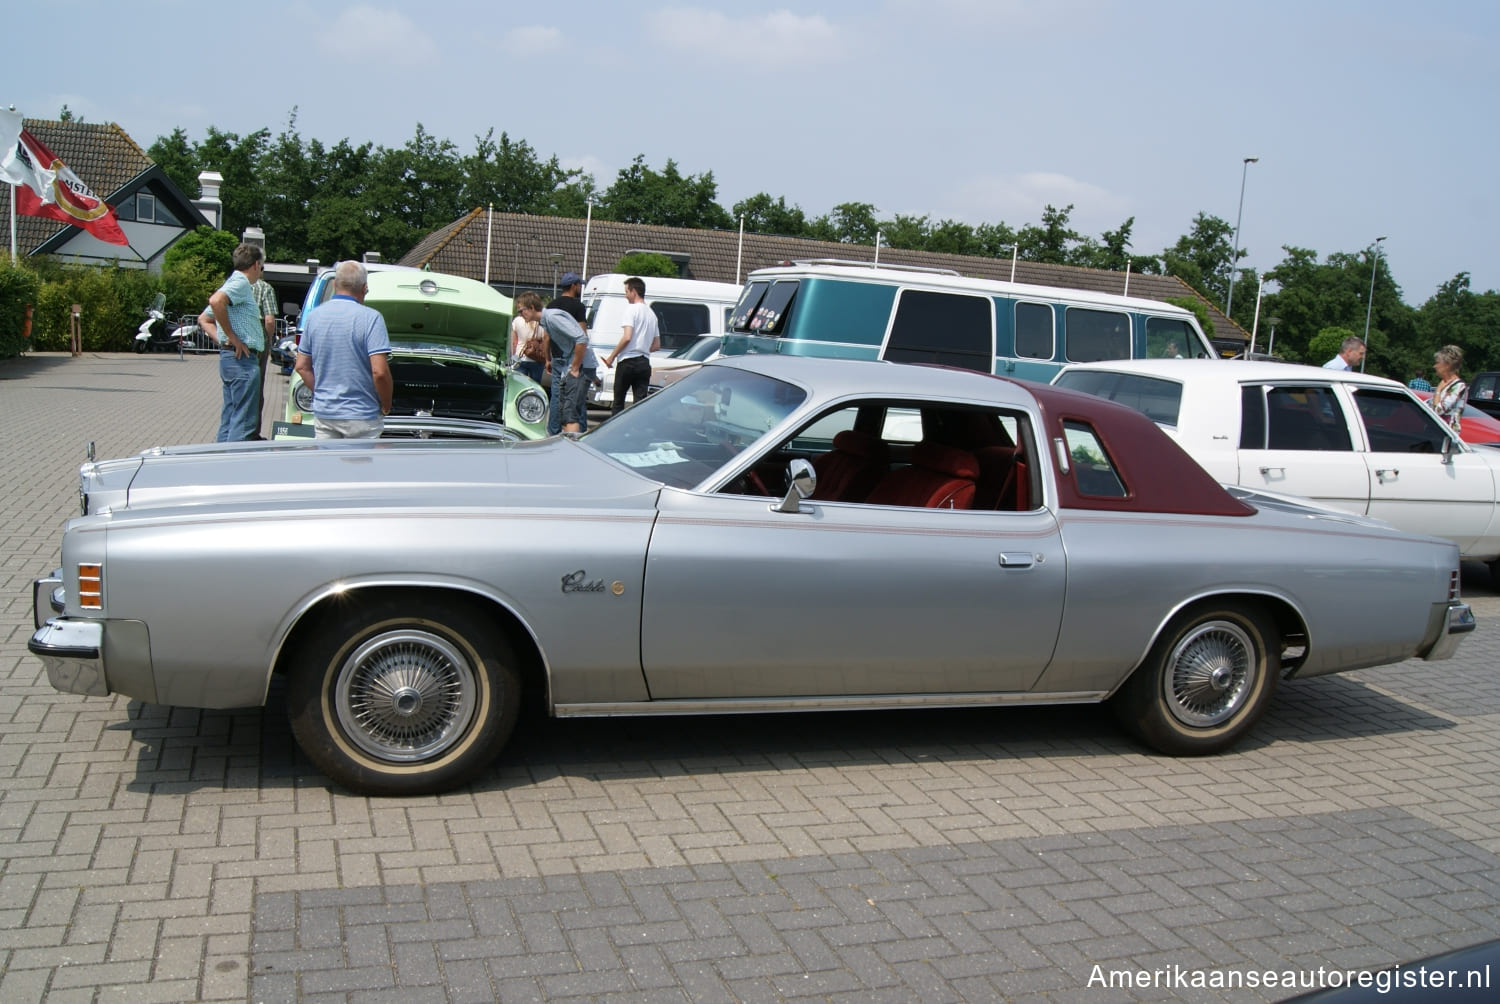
208,202
254,235
372,257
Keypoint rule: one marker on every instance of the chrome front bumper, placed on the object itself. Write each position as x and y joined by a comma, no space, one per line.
72,651
1453,622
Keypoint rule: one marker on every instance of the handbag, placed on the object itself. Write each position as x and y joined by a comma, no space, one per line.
535,348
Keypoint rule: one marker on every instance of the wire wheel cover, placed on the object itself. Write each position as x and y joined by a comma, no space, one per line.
1210,674
405,696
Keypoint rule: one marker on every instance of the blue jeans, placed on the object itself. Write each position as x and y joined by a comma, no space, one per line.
532,368
240,417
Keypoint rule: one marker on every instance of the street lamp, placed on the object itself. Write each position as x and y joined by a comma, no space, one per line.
515,266
556,259
1271,346
1234,263
1370,303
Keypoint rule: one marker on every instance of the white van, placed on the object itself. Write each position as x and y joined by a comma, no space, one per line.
684,308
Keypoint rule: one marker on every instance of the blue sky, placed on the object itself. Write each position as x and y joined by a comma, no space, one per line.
1369,118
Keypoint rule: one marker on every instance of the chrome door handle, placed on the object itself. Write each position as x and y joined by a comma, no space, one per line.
1266,472
1388,472
1016,560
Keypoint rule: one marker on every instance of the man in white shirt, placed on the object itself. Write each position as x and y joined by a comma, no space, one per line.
638,340
1350,353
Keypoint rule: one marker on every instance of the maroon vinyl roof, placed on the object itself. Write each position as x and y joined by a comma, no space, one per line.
1159,475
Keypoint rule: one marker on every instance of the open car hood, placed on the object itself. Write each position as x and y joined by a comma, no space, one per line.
428,312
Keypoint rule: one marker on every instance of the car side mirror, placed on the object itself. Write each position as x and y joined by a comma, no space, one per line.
802,481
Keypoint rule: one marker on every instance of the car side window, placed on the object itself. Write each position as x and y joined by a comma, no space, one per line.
1395,423
679,323
1089,462
892,453
1159,400
1293,418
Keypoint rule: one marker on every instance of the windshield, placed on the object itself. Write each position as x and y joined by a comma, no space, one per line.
682,434
699,350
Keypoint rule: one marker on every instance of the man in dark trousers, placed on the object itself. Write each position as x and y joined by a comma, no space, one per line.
638,339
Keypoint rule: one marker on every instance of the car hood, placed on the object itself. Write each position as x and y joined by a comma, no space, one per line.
269,477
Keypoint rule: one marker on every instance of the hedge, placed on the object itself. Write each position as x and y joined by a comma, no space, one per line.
19,286
114,302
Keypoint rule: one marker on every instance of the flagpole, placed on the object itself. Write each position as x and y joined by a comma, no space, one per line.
588,226
489,229
739,255
12,214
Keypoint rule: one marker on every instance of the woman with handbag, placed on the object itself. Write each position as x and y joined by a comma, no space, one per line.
528,347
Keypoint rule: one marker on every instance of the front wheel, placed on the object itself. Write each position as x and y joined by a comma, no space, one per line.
404,696
1206,682
140,345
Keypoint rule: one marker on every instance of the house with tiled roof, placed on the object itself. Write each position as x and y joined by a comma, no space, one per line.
519,251
153,212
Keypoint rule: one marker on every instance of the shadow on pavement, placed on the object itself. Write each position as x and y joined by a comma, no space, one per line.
184,750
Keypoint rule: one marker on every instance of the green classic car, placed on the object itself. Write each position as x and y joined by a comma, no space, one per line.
448,359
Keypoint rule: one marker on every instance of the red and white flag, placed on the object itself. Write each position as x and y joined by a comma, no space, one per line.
46,187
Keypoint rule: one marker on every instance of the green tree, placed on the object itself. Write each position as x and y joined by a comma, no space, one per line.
1201,257
510,176
238,160
847,223
996,240
211,250
646,264
667,198
763,215
1456,315
1049,242
290,178
178,159
1336,294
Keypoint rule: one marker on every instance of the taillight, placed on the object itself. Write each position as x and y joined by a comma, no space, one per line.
1453,583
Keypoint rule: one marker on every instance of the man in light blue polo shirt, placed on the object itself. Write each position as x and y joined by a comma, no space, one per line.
343,360
241,341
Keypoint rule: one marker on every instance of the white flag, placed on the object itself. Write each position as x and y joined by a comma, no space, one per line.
18,166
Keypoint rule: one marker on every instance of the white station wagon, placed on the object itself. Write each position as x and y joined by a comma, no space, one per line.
1357,442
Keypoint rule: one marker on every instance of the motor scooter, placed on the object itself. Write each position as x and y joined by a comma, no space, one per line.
156,332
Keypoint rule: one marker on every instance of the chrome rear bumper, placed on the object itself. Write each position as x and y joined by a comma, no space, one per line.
1453,623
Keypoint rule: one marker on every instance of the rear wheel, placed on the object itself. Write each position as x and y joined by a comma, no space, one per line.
1206,682
404,696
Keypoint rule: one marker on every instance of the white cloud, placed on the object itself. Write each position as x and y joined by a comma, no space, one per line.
532,40
1019,199
604,175
372,36
776,38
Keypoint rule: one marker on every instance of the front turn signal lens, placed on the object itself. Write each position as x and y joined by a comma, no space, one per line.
91,586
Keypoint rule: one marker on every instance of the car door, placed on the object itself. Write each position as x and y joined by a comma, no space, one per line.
1413,486
742,601
1295,438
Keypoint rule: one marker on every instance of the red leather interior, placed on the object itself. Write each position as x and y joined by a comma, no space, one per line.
938,477
852,468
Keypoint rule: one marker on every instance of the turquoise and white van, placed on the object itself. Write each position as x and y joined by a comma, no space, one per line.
855,310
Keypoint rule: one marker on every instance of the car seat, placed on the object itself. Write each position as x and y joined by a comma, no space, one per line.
852,468
939,477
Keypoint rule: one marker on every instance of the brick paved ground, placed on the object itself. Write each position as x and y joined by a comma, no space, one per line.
149,853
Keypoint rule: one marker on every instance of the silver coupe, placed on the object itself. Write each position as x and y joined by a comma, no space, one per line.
770,534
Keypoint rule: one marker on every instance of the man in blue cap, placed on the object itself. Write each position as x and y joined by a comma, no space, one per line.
570,286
